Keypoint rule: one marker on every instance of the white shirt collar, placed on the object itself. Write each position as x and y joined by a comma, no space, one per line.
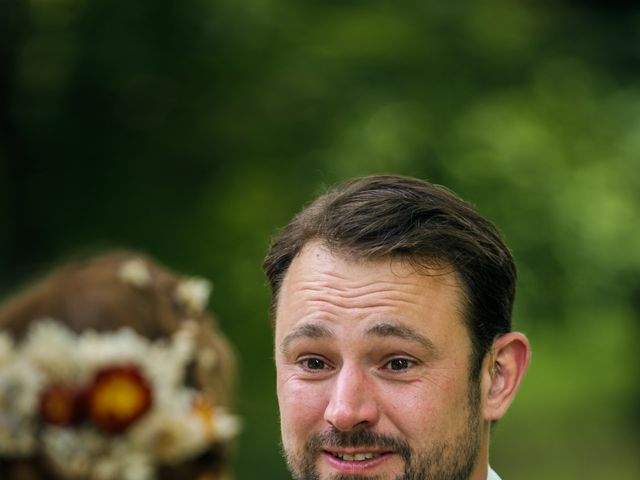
492,475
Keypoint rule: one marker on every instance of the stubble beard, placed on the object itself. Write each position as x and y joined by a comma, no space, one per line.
444,460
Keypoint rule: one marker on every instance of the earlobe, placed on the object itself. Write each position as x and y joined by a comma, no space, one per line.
508,361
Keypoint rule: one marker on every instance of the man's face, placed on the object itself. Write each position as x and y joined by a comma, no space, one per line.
372,362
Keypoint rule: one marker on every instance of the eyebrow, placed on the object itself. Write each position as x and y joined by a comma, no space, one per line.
384,329
307,330
403,332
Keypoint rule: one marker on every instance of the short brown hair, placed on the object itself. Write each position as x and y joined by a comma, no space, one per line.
400,217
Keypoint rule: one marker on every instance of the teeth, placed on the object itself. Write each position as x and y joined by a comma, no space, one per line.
358,457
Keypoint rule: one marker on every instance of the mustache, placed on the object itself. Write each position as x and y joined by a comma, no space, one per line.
357,439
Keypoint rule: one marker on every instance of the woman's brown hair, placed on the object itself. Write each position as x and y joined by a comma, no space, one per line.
91,294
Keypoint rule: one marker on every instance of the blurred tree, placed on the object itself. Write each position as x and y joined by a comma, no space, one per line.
193,129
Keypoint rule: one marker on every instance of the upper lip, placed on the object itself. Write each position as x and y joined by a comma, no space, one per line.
354,451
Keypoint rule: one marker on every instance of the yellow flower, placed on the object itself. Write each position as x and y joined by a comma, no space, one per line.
119,396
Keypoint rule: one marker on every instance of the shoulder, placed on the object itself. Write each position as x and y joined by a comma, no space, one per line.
492,475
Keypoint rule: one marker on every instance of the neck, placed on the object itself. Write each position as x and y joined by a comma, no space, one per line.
481,468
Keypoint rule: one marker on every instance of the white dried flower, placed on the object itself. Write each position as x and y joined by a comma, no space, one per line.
17,422
135,273
207,358
51,348
72,452
137,467
227,426
168,435
175,428
106,469
124,463
121,346
20,387
193,293
6,349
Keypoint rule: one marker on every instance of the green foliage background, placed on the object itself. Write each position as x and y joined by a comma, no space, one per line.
194,129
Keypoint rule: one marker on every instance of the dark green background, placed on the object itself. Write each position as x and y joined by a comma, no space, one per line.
193,129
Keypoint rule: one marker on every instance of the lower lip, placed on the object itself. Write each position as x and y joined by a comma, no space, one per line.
356,467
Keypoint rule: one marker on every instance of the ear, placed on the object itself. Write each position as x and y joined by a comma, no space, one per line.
503,371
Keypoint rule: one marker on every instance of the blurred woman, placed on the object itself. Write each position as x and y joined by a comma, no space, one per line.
111,369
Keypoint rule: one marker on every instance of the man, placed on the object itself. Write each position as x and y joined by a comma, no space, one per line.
392,302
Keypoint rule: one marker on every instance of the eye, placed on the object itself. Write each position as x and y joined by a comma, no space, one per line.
313,364
399,364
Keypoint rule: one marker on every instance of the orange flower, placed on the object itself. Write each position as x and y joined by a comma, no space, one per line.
119,396
61,404
203,407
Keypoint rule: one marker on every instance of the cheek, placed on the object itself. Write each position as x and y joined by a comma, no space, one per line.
412,411
301,405
427,410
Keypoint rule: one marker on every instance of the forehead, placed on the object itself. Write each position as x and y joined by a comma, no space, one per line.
327,286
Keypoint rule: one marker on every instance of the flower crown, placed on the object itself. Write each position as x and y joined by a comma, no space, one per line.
109,405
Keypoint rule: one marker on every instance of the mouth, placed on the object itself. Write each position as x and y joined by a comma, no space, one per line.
360,462
356,457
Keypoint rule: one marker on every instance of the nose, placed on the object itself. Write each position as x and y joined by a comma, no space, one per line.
352,404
